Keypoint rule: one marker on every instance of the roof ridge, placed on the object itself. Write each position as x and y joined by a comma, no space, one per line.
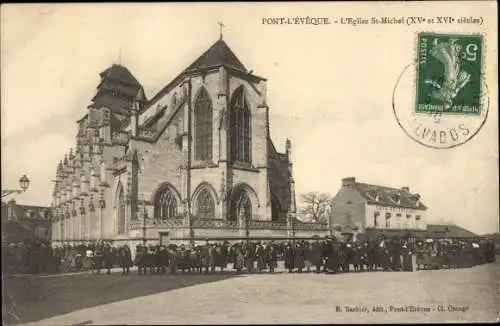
217,54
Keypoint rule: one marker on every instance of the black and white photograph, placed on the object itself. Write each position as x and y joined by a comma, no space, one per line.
229,163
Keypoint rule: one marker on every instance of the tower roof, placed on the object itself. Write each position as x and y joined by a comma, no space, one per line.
119,73
218,54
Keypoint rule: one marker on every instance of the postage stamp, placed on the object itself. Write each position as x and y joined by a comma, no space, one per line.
449,70
441,99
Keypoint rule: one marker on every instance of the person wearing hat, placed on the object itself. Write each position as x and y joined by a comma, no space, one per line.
249,253
288,257
98,258
272,256
107,255
205,257
125,259
260,256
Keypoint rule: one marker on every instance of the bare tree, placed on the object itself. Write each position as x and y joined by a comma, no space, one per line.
314,205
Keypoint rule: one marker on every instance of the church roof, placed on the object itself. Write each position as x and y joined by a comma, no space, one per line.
217,55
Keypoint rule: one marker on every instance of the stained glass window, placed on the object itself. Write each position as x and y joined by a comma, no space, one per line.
203,127
240,125
205,205
165,205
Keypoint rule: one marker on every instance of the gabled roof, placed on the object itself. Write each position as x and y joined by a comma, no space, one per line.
389,196
217,55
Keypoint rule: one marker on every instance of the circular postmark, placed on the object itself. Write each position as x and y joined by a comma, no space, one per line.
440,106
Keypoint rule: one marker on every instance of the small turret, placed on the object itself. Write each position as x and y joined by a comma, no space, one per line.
94,180
134,118
288,146
84,185
76,188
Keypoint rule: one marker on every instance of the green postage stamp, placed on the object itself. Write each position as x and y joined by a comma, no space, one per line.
449,69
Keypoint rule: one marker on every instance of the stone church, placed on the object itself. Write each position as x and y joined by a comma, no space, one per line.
194,161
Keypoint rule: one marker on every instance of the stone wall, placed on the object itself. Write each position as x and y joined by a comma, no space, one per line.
348,203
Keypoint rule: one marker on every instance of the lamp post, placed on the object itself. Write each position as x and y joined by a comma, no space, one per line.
24,183
292,224
144,216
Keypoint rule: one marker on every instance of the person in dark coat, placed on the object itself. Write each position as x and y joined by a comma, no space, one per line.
288,257
260,256
272,257
315,254
98,258
299,257
107,254
139,259
205,256
125,257
332,257
222,256
249,257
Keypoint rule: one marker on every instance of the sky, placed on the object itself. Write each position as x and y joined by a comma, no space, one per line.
329,90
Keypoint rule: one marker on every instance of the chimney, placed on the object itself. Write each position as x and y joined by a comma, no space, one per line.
348,182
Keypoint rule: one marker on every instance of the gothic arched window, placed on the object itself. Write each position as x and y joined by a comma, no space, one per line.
165,204
120,211
203,127
205,205
240,123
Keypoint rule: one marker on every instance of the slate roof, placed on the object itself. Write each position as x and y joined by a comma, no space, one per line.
109,87
448,231
117,90
120,74
217,55
432,231
389,196
112,102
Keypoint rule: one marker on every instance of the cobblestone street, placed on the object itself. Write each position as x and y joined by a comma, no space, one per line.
265,298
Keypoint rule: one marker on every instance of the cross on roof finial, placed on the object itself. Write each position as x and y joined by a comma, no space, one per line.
221,24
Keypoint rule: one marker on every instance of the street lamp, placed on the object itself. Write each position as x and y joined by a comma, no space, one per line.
292,224
144,216
24,183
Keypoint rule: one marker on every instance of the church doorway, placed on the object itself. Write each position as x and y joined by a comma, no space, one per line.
240,206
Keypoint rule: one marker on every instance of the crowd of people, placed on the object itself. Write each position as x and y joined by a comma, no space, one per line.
320,255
